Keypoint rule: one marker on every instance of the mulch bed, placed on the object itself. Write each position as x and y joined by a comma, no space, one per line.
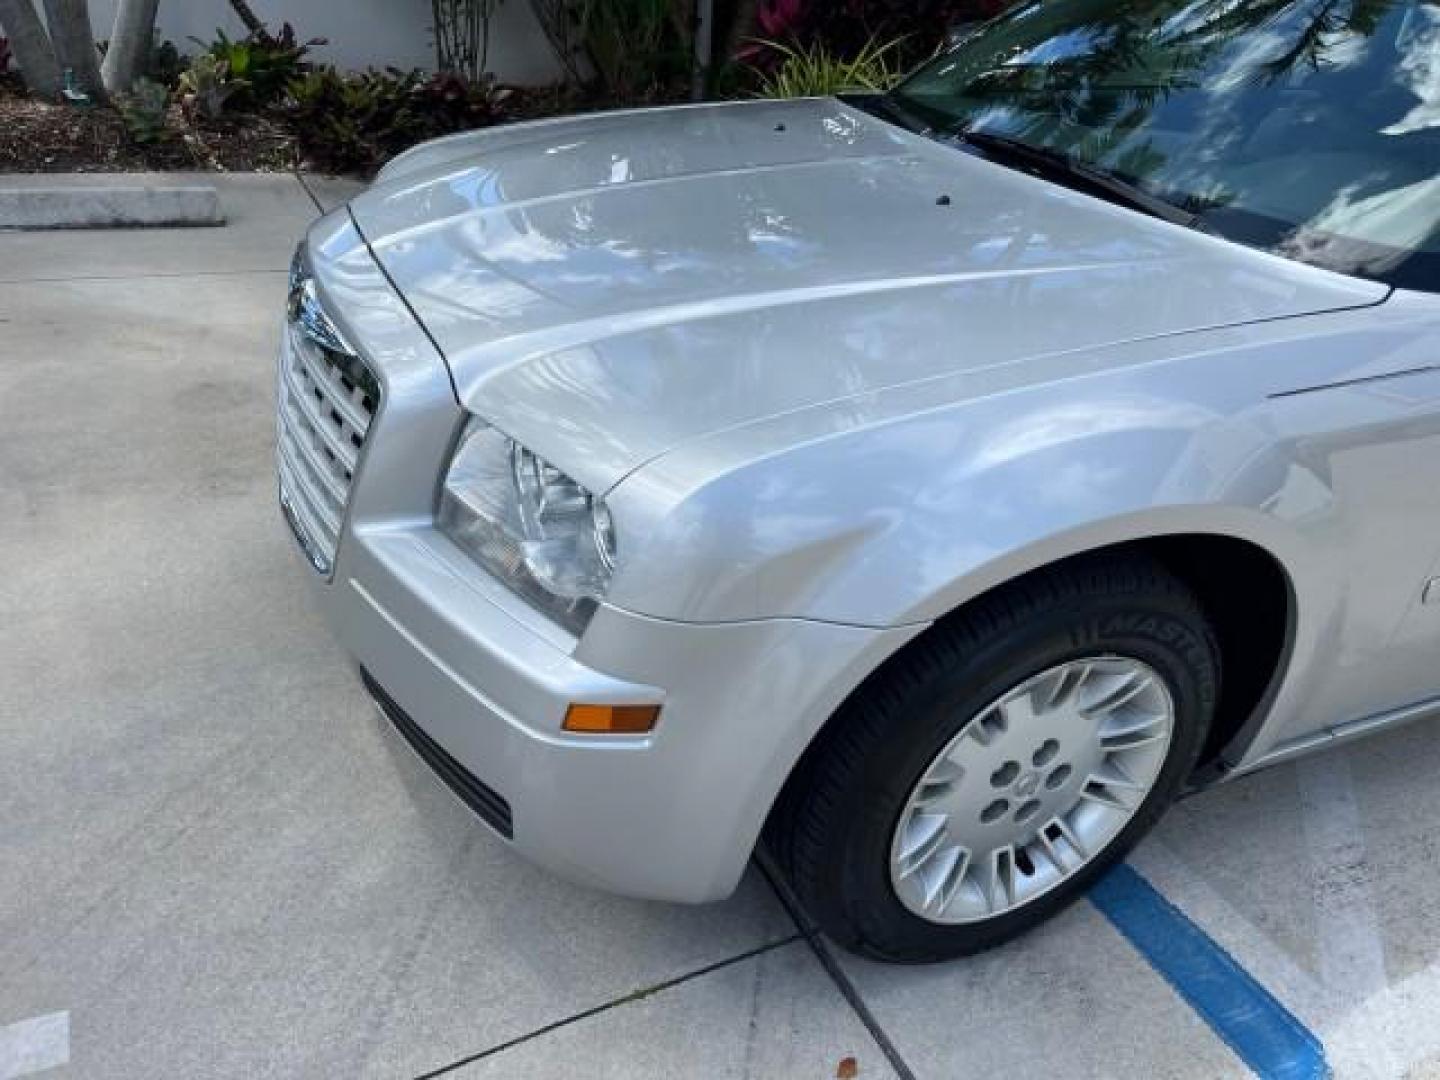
36,137
39,138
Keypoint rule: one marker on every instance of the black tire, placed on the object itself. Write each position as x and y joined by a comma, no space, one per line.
831,830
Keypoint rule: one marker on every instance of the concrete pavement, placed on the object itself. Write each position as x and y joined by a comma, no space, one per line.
215,860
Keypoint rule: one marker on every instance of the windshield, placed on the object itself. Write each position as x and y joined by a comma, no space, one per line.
1309,129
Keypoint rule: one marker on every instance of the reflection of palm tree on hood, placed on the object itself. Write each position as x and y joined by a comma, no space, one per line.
1132,56
1271,121
1169,48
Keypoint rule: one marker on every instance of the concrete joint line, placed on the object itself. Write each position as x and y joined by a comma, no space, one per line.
300,179
832,968
637,995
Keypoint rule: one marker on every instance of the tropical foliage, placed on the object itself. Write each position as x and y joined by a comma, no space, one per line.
629,50
814,71
354,122
207,86
146,110
845,27
261,65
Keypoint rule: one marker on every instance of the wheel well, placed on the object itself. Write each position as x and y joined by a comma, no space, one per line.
1248,598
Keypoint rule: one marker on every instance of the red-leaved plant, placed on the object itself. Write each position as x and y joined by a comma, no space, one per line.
778,20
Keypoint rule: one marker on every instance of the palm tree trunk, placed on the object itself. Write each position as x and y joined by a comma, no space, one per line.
69,23
248,17
129,44
32,48
703,44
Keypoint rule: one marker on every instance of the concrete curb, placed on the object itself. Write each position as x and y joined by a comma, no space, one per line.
104,202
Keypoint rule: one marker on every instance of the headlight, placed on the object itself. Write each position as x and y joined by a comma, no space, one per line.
529,524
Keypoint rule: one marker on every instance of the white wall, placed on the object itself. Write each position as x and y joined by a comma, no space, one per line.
360,33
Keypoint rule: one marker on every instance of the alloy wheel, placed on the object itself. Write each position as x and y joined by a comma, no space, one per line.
1031,789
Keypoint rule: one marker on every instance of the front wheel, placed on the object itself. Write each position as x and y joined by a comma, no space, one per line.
990,772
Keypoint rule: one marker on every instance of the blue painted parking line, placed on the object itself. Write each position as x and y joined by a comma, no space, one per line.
1264,1033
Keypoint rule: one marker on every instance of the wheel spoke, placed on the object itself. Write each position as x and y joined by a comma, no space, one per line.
1051,842
989,725
1019,706
1126,687
1000,888
1137,729
1058,832
924,837
1066,684
1113,775
939,782
951,870
1098,791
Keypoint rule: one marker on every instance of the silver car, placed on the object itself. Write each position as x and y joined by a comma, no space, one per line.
931,486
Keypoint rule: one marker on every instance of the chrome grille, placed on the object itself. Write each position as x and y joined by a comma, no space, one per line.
327,401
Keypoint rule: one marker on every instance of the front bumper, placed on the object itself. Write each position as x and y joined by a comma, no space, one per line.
485,681
491,807
672,815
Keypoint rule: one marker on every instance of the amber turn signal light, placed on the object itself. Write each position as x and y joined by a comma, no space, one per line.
611,719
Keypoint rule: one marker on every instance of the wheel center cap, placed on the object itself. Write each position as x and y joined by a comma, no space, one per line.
1027,785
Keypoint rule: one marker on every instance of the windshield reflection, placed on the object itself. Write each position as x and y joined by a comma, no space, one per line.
1311,129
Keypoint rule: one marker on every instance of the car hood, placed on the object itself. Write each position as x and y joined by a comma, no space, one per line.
607,287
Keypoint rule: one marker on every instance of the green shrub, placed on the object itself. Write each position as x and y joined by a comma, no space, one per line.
334,117
845,27
636,47
625,50
445,103
814,71
346,123
144,110
164,63
207,86
262,64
